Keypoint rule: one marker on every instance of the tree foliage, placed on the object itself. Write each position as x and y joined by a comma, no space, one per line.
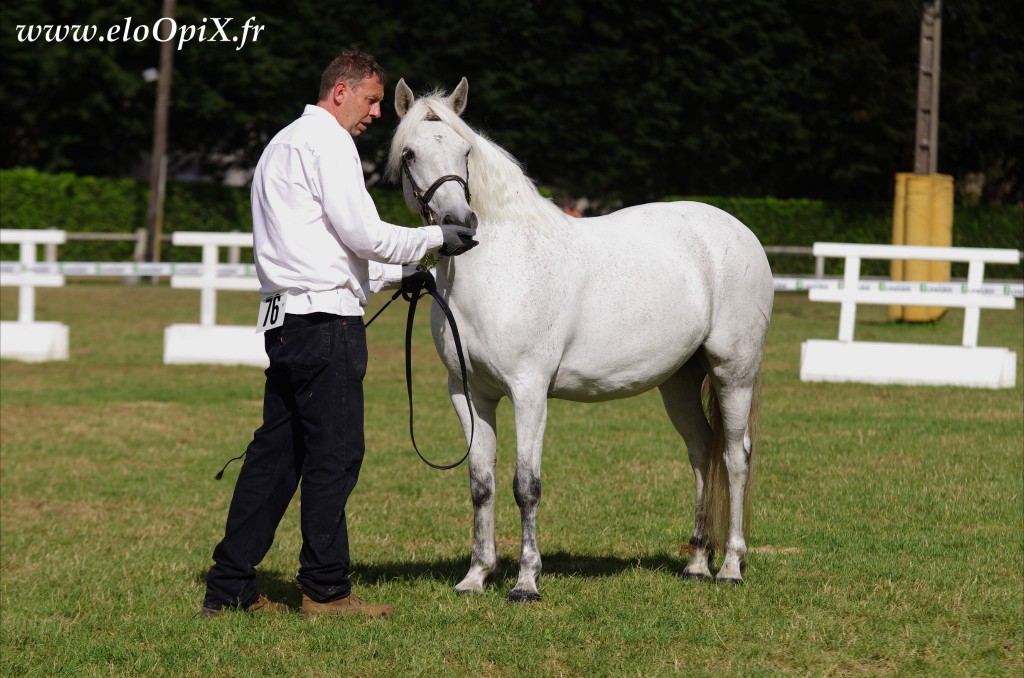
616,101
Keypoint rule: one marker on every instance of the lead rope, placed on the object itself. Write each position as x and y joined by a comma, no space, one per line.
414,287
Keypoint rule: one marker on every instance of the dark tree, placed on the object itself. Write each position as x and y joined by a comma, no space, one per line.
615,101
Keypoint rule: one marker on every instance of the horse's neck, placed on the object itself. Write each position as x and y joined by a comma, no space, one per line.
508,252
518,229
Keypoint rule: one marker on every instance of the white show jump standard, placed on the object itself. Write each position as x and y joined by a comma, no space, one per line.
888,363
208,342
28,340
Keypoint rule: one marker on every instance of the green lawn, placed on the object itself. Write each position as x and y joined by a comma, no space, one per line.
887,534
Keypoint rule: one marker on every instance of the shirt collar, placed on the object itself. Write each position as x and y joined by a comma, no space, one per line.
313,109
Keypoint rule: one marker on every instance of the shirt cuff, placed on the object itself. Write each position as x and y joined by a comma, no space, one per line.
435,238
384,276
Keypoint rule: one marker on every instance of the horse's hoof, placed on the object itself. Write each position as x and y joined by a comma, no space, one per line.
729,580
469,592
694,576
522,597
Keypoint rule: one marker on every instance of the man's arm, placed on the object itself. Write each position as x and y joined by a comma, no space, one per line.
354,217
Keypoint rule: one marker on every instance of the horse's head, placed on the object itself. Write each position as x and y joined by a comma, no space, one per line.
432,158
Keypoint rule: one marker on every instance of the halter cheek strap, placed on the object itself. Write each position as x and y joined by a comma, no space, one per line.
429,216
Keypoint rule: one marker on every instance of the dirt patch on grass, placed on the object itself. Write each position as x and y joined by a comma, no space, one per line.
776,550
21,512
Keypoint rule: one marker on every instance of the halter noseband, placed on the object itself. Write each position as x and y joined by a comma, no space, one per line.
424,198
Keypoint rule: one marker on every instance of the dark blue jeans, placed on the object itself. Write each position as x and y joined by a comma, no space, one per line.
312,433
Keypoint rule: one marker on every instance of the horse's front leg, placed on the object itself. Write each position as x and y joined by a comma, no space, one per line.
482,457
531,410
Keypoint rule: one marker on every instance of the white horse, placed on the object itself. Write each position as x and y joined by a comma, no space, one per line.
663,295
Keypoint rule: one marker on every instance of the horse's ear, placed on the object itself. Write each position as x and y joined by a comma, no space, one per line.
403,98
459,97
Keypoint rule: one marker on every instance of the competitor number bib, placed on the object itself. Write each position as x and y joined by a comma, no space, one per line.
271,313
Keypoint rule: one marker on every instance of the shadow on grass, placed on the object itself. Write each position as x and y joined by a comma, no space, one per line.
557,564
281,586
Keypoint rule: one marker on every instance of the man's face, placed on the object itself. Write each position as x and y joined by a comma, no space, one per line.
359,105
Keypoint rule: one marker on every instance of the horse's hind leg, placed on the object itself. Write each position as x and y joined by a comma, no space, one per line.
736,387
681,394
482,456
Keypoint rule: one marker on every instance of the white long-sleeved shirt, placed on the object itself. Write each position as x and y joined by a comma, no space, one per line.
315,227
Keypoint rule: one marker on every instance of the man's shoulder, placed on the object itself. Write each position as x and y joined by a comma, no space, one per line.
314,131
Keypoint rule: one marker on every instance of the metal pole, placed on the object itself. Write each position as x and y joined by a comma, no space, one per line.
158,163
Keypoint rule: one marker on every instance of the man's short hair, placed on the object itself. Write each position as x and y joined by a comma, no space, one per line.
352,67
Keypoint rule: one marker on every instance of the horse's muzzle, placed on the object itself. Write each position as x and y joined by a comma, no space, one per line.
465,218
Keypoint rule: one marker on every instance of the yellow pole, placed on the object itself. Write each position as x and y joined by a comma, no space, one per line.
899,236
928,215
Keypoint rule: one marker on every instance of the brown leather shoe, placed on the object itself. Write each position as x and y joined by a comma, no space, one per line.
350,605
262,604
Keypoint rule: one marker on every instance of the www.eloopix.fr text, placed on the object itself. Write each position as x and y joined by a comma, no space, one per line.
214,29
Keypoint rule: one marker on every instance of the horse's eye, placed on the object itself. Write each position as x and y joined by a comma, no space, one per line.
408,155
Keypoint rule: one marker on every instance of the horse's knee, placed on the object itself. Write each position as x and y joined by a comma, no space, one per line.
481,488
737,462
527,490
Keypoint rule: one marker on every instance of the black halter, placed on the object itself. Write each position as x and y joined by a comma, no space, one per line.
424,198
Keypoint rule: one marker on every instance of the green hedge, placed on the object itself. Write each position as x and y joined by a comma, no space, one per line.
31,199
803,222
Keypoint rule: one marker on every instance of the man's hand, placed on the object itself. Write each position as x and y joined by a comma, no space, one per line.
457,239
416,278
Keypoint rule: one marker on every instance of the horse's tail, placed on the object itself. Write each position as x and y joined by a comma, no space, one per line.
716,485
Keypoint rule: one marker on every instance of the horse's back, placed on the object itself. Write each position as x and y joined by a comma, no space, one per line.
683,226
700,248
659,280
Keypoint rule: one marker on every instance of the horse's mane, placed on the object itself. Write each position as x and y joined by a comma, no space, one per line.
500,189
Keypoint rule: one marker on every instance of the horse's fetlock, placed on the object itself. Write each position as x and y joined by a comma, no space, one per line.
736,550
701,541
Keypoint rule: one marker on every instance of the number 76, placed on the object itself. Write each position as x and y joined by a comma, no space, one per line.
273,309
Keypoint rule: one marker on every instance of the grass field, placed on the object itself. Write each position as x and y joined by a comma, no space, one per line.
887,535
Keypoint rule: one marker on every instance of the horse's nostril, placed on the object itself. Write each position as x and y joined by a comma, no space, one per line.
468,219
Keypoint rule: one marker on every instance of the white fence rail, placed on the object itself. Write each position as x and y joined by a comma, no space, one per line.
208,342
209,279
234,255
875,362
27,339
234,267
138,237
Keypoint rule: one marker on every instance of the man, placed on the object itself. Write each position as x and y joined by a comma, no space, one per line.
315,230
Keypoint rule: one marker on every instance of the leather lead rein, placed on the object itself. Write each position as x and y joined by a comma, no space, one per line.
413,288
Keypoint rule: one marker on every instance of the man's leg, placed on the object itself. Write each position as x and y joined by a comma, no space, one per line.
331,411
265,486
